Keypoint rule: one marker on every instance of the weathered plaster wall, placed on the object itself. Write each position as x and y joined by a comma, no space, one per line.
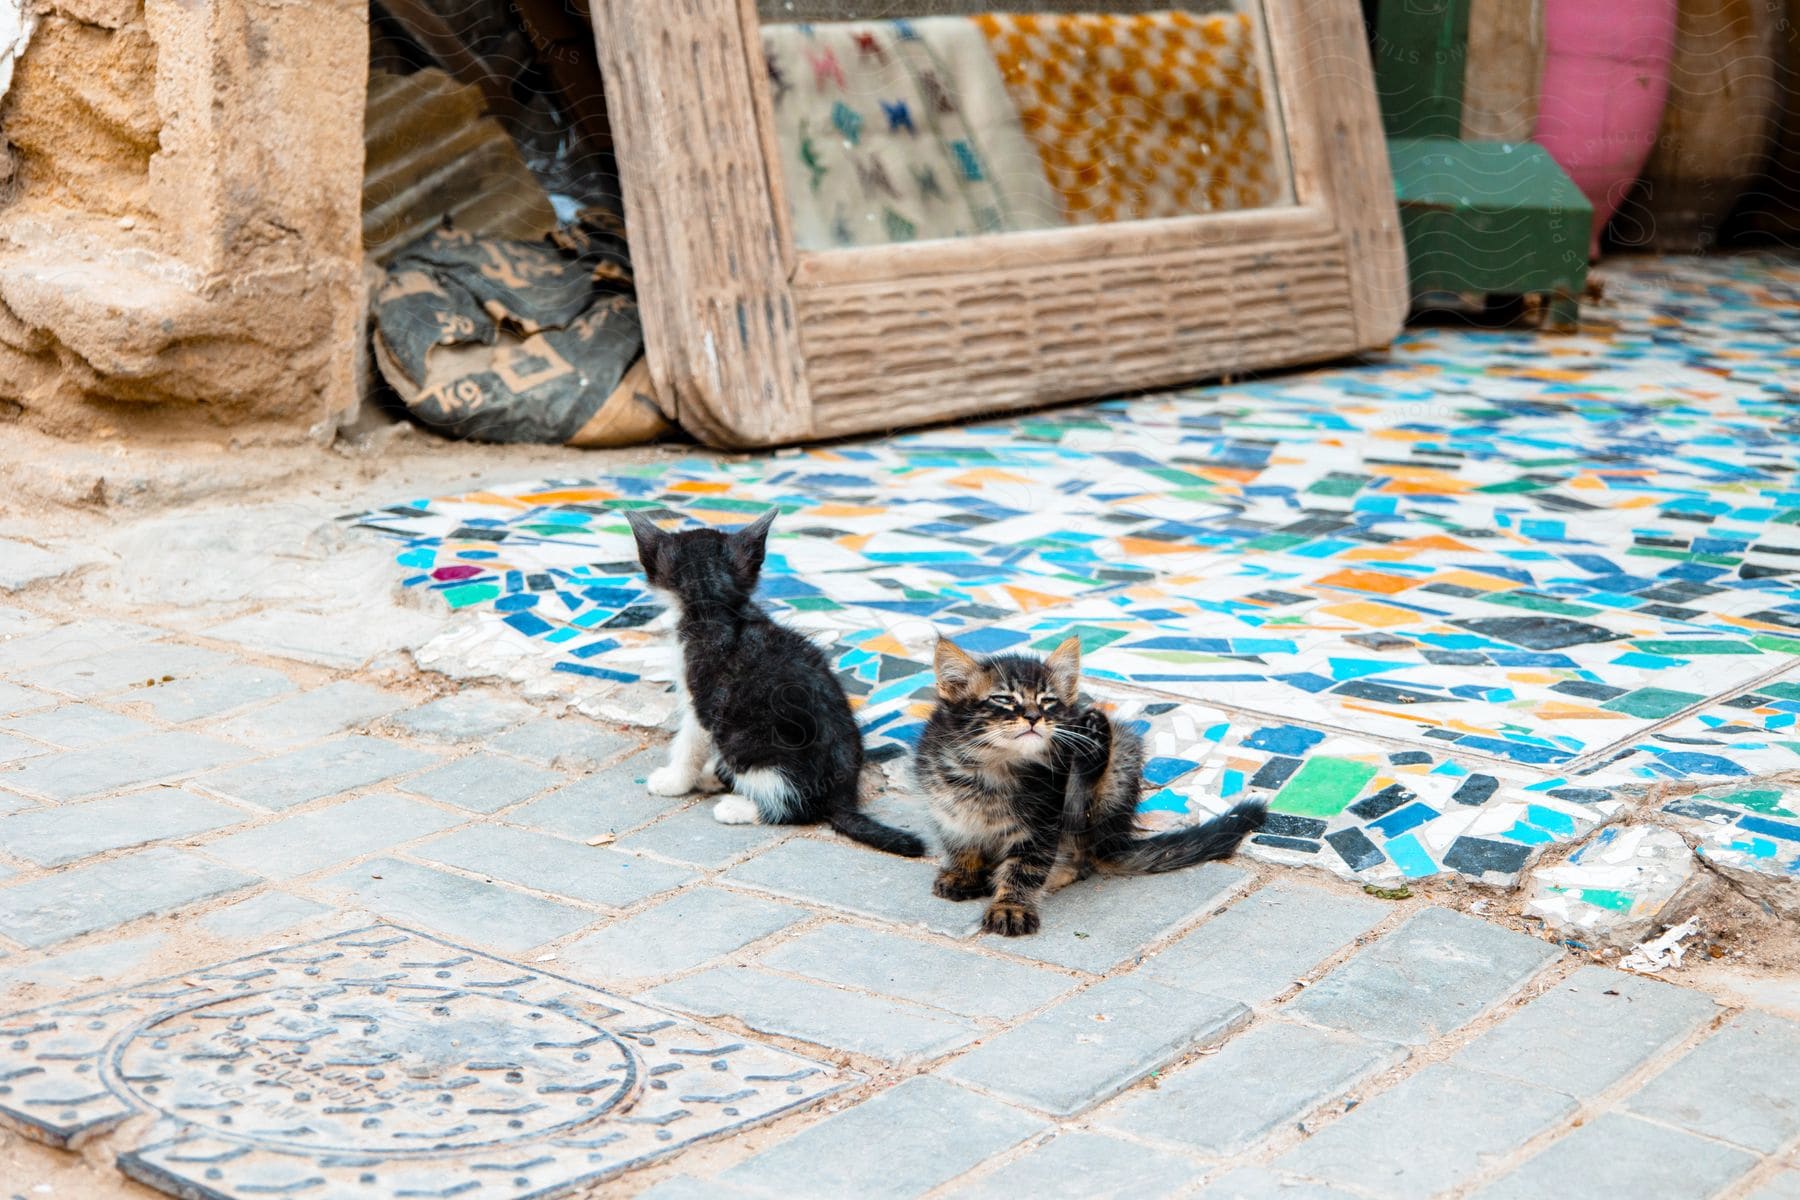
180,222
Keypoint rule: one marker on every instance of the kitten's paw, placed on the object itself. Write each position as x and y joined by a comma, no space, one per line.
959,885
1086,743
670,781
1009,918
735,810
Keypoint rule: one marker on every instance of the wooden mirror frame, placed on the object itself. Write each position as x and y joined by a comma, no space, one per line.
758,344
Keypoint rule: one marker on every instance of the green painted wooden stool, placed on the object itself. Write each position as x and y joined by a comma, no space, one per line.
1483,221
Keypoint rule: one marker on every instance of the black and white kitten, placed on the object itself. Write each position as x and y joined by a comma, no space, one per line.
763,715
1031,790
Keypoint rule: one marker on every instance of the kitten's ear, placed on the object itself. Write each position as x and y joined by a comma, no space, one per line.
748,545
959,675
1064,665
648,536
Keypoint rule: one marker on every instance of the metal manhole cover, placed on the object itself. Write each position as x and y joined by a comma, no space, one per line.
382,1062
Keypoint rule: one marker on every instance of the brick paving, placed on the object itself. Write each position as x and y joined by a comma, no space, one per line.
1229,1031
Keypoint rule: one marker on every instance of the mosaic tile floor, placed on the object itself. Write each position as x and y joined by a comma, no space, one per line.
1442,609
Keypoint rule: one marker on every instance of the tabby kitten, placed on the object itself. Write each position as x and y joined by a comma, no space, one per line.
763,715
1031,790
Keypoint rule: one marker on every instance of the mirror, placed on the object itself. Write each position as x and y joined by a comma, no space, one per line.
919,319
907,120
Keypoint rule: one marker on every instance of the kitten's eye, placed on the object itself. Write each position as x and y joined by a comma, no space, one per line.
1003,703
1048,703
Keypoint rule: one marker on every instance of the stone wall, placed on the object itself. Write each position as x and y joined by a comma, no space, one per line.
180,198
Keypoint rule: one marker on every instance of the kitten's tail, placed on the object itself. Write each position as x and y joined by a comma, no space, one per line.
1185,847
861,827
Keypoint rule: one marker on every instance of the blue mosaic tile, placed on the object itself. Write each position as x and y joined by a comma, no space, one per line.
1513,577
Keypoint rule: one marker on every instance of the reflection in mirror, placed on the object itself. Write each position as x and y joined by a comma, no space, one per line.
962,117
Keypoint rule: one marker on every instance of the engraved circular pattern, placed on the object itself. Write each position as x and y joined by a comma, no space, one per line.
395,1070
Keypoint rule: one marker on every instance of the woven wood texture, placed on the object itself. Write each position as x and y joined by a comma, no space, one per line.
959,346
705,241
1327,84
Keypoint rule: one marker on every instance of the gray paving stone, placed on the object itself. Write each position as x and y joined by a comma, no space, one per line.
309,841
464,717
51,837
310,715
326,639
72,726
15,620
902,1143
1614,1155
1260,1183
306,774
82,900
1082,1165
597,875
211,694
1436,973
1430,1132
905,807
686,1187
1738,1085
15,699
259,916
1551,1042
462,908
1258,947
22,563
960,981
483,782
17,749
1262,1080
11,802
608,801
814,1013
1100,922
120,960
691,835
21,655
569,742
1784,1185
1096,1044
856,880
128,667
153,758
684,931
